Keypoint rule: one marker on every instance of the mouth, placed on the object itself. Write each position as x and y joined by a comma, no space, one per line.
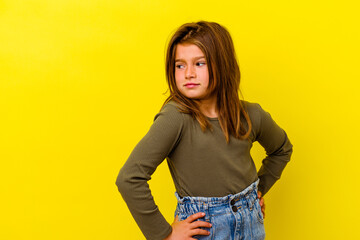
191,85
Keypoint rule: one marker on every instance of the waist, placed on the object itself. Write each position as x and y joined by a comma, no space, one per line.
249,193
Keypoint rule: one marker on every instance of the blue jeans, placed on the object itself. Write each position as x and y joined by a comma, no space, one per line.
233,217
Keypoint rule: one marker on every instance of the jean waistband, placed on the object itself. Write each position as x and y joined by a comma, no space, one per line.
219,200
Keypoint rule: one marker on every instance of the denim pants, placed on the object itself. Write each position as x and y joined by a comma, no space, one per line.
233,217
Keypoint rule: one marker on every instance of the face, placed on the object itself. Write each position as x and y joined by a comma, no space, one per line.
191,71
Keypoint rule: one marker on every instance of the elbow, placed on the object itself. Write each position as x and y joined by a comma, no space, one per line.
289,149
131,178
284,152
128,180
122,182
286,149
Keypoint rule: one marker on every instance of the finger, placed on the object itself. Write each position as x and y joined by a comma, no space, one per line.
263,211
199,231
259,194
198,224
262,204
176,218
261,201
195,216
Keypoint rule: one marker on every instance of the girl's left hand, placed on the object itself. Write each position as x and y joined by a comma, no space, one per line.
262,203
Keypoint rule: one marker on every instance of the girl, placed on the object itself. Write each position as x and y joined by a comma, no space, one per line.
205,132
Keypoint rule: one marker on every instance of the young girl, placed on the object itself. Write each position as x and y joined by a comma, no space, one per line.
205,132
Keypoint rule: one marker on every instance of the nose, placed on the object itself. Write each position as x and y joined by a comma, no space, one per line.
190,72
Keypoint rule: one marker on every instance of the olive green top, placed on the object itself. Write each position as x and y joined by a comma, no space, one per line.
201,163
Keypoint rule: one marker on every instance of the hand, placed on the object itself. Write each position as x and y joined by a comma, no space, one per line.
262,203
184,230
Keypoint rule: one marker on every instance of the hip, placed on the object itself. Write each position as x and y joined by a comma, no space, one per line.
235,216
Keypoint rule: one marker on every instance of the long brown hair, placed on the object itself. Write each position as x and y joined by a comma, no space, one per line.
224,76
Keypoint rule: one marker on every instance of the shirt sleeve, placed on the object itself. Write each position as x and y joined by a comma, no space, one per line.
277,146
132,179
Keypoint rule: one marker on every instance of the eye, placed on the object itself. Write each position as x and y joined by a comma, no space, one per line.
179,66
200,64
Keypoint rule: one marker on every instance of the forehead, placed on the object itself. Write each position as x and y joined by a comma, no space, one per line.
188,51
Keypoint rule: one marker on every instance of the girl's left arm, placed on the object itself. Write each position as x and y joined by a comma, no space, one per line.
277,146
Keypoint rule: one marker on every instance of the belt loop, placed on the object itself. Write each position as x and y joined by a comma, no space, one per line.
206,211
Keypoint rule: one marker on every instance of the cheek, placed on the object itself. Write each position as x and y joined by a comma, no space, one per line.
177,76
177,79
178,83
205,77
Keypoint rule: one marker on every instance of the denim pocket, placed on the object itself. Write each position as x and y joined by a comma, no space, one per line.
182,216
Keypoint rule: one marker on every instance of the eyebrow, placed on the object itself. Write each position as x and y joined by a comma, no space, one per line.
195,58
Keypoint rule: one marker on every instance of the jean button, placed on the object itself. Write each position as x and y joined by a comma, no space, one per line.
232,202
234,208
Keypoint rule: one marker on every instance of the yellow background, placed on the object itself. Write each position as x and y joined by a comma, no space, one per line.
80,83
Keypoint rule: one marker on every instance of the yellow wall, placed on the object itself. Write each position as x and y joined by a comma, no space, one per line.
80,83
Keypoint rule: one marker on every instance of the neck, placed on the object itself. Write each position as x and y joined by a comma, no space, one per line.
208,107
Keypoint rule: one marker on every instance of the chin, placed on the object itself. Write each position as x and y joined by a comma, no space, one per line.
193,97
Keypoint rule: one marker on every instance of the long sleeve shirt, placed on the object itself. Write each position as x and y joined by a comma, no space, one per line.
201,163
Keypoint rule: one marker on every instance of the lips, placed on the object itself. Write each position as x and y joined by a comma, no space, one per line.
191,85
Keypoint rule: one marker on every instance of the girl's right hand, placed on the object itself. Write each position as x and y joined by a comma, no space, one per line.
184,230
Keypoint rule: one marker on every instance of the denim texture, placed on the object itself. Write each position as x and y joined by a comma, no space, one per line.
233,217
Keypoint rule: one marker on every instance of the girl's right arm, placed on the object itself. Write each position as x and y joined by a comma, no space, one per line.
153,148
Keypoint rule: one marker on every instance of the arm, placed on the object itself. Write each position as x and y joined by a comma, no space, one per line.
277,146
142,162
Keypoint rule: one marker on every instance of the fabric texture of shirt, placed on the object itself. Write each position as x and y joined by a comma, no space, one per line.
201,163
